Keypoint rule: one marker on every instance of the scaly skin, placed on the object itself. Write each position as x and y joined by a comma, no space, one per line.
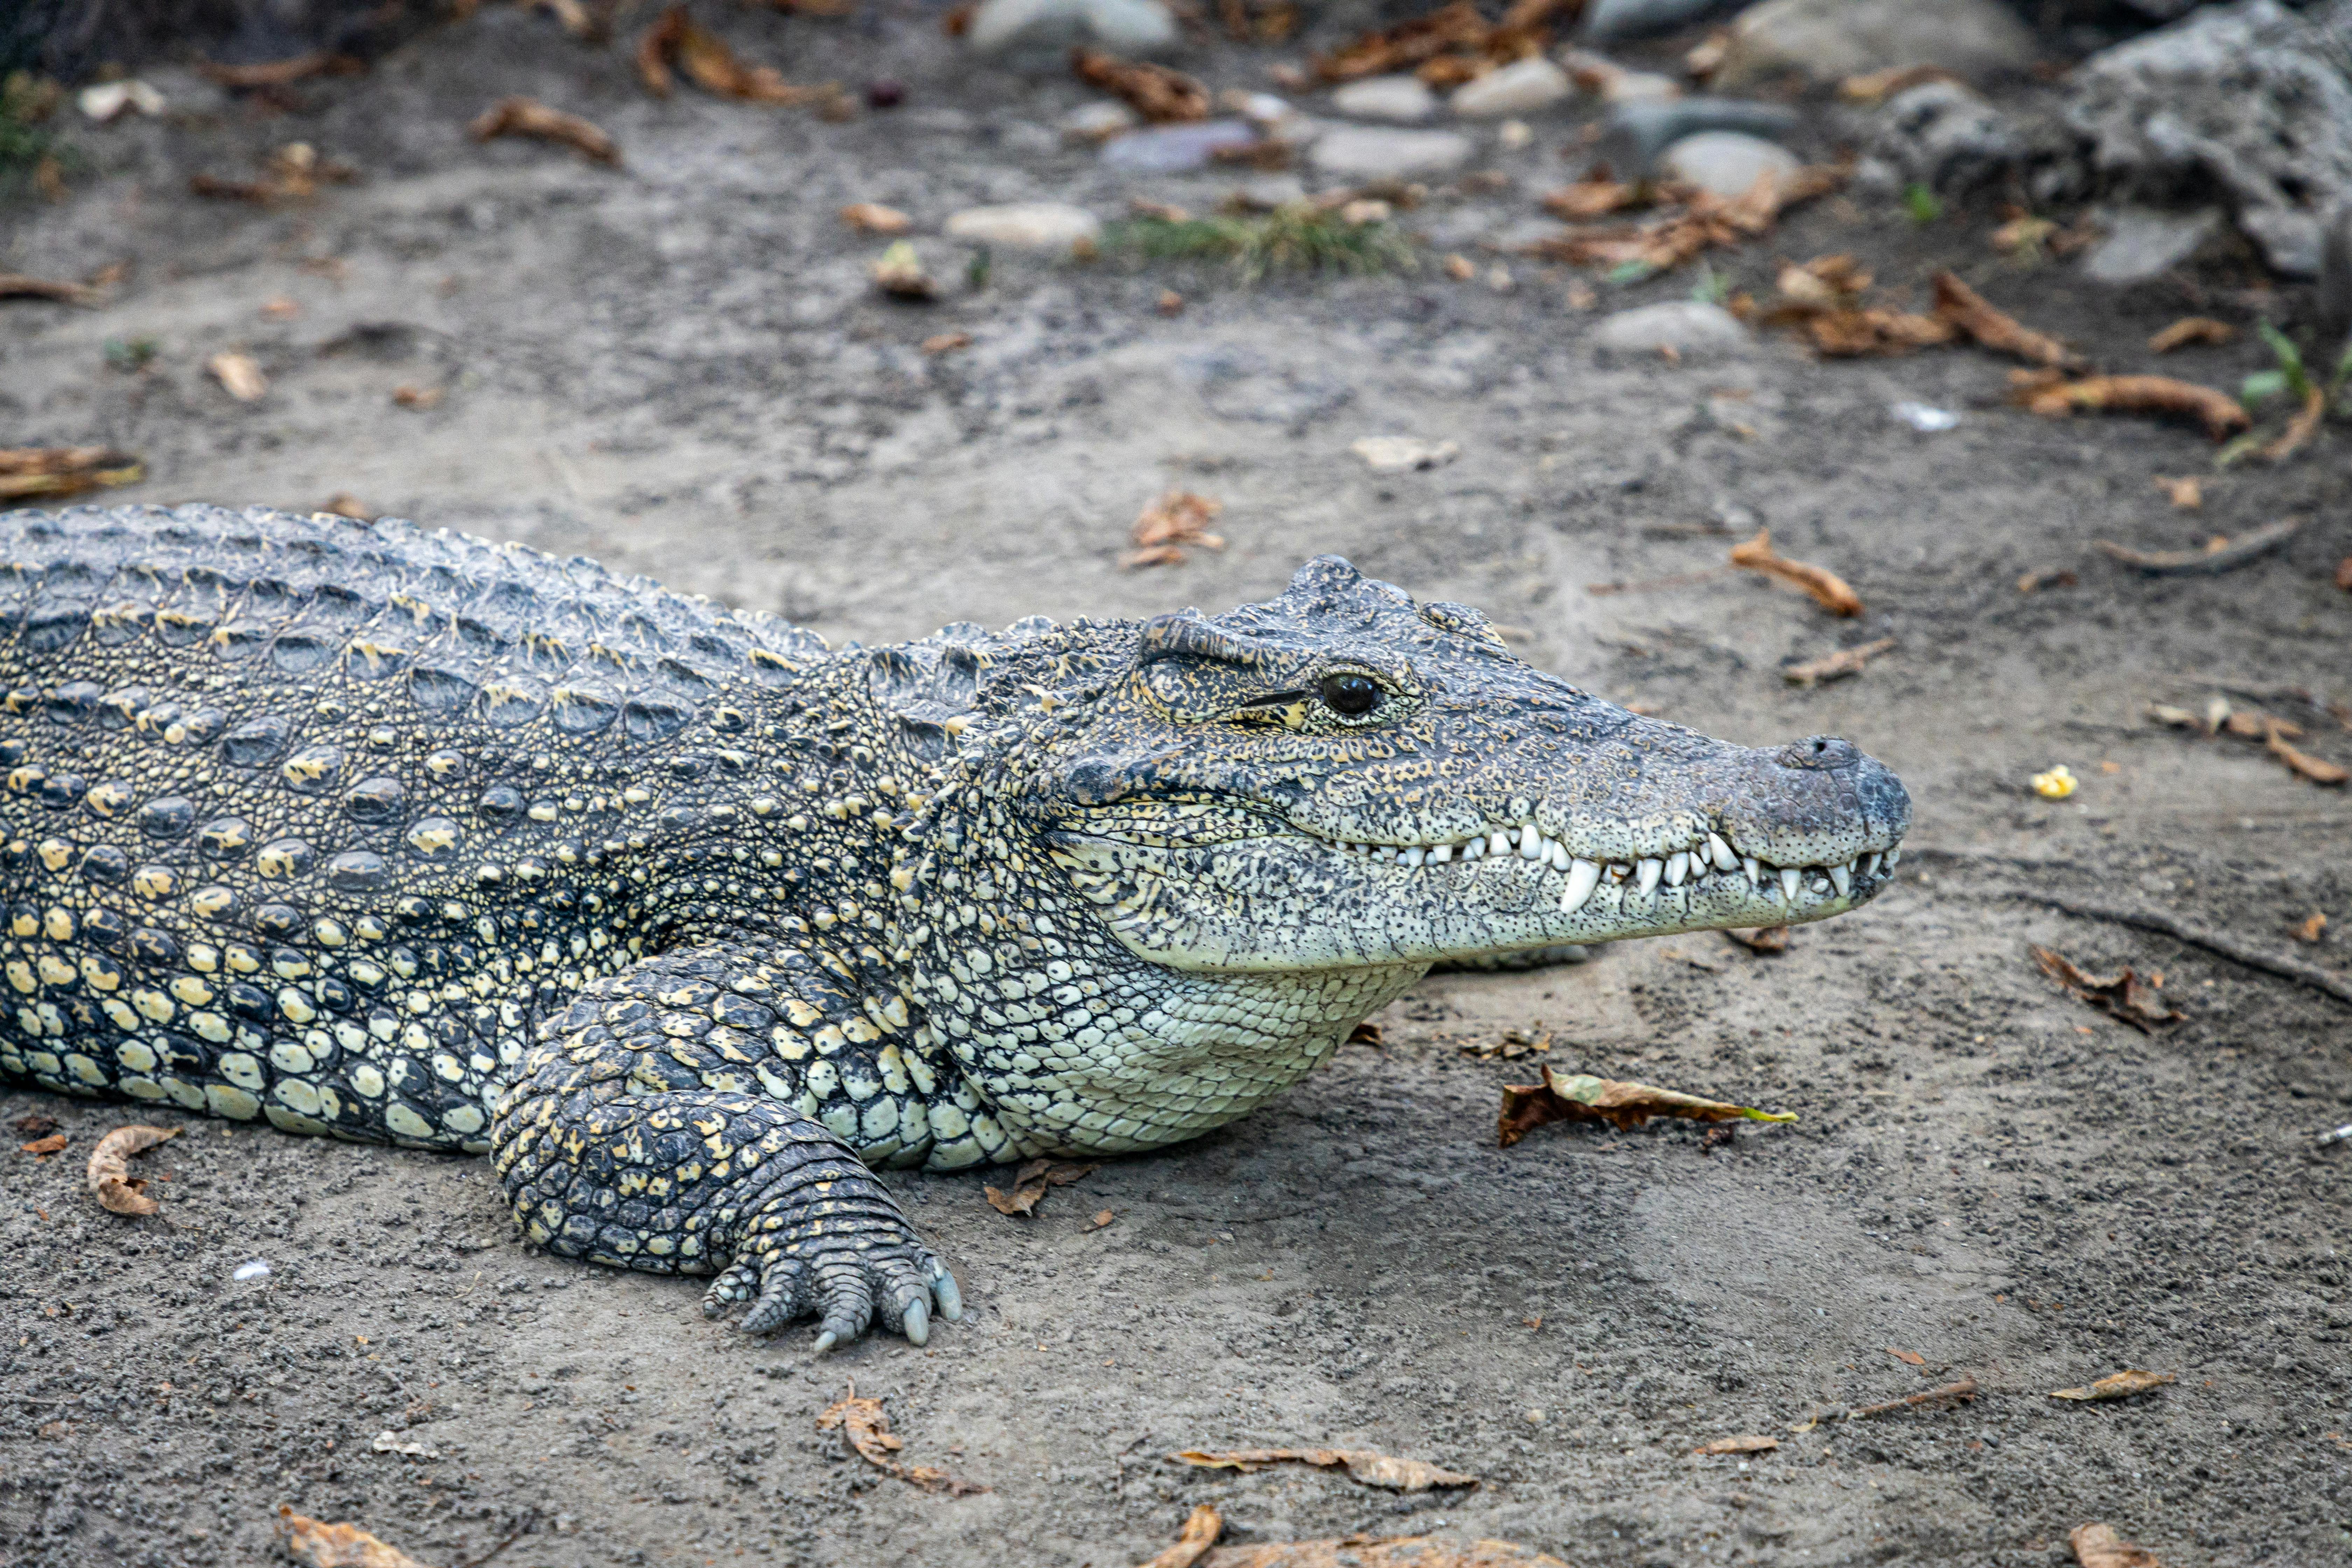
692,922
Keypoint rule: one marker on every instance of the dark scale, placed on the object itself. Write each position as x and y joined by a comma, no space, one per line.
692,923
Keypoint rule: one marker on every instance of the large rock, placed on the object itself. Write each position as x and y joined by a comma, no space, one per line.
1941,135
2249,99
1359,153
1637,132
1402,99
1038,34
1027,225
1683,330
1727,162
1823,40
1523,87
2142,243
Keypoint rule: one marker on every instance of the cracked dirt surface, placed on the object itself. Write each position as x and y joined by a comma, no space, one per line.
679,368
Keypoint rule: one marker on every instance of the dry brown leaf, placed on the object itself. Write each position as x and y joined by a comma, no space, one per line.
867,1426
676,43
1746,1443
2302,763
2123,996
2023,235
1030,1183
418,397
873,217
946,343
1176,519
1822,584
325,1545
1959,1393
2312,929
342,503
2187,492
1591,198
1836,665
1161,96
292,174
33,1124
2116,1385
281,73
1833,279
1580,1097
1872,332
1407,45
239,376
1366,1466
899,272
529,117
1395,1551
1764,939
1513,1044
108,1177
2218,555
2218,411
2097,1546
2344,574
2299,429
16,285
1878,86
2191,330
1909,1358
53,1144
1201,1533
1968,311
64,470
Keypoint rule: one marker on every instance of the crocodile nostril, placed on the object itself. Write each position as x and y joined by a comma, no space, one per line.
1819,751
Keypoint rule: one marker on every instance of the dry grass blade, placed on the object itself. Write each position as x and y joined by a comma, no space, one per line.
1363,1465
867,1426
2210,562
2123,996
108,1177
2220,413
2299,429
1823,584
1030,1183
1201,1533
1176,519
2191,330
1161,96
16,285
529,117
64,470
2098,1546
322,1545
1969,311
239,376
2115,1385
1580,1097
2303,764
1746,1443
1395,1551
1836,665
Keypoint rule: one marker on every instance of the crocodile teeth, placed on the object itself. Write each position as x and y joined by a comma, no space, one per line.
1651,871
1499,842
1791,881
1556,852
1414,856
1531,843
1678,865
1842,877
1870,867
1441,855
1583,875
1893,856
1725,860
1754,871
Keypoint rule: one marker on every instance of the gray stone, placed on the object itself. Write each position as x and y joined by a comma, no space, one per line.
1027,225
1523,87
1269,192
1039,34
1402,99
1608,19
1637,132
2250,100
1177,149
1727,161
2143,242
1692,330
1098,122
1361,153
1938,134
1822,40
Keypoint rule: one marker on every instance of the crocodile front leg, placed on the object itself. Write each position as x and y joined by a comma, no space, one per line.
655,1127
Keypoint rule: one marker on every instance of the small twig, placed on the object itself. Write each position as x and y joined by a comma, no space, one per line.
2248,546
2286,968
1965,1389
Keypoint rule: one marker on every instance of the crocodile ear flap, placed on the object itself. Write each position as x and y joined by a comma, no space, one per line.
1184,634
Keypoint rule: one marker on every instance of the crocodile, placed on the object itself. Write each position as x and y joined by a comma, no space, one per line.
694,924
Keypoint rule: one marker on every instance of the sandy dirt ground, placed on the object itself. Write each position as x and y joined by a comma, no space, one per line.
678,366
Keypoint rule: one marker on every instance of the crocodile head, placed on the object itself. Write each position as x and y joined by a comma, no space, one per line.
1341,777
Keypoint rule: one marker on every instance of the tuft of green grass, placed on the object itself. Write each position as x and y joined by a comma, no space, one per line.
1712,287
130,355
1298,237
26,102
1922,203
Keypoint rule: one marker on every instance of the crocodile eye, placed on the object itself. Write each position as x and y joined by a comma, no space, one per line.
1352,695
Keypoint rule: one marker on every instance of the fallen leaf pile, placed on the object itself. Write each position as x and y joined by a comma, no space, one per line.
1447,47
2115,1385
1366,1466
1823,584
1161,96
1580,1097
2123,996
109,1176
64,470
676,45
1030,1183
292,174
1176,519
529,117
1836,665
867,1426
323,1545
2098,1546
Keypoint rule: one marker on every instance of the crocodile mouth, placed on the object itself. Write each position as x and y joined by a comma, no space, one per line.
1709,865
